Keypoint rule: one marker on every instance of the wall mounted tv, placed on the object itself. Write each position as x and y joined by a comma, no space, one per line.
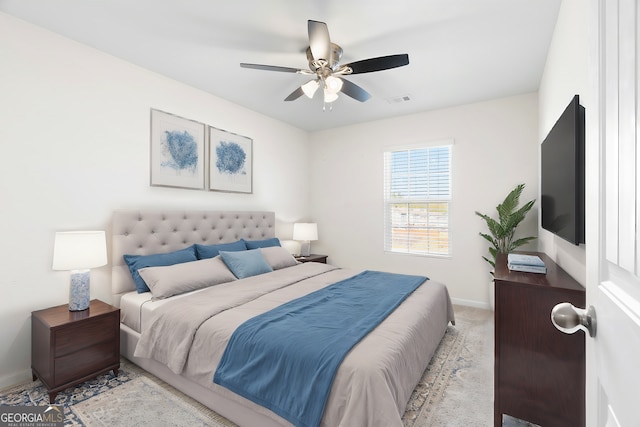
563,175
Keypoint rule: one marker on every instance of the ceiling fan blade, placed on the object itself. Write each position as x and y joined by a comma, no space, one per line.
295,94
319,41
354,91
270,68
378,64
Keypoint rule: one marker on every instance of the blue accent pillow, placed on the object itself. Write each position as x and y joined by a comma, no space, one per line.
210,251
136,262
255,244
246,264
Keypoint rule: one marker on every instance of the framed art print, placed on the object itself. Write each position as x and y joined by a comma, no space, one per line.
177,151
230,162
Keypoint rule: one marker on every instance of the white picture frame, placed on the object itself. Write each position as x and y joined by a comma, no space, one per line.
177,151
230,162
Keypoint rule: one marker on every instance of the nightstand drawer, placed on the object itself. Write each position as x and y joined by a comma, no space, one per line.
85,334
84,362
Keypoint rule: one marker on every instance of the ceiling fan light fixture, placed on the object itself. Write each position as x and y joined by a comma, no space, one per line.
329,97
324,58
310,88
332,85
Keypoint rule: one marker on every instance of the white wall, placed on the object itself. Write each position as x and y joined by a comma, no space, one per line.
565,75
75,138
74,135
495,149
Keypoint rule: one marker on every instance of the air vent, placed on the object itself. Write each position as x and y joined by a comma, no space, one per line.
399,99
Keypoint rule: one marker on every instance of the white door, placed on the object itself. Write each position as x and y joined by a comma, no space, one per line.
613,214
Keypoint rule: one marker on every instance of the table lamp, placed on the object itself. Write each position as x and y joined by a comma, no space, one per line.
79,251
293,246
305,232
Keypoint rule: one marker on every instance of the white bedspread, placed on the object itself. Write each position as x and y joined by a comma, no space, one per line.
375,380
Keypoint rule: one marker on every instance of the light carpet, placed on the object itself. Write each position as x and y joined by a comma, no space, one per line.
456,389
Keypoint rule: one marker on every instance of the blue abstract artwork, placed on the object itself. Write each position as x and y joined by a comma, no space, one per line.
230,162
181,151
177,151
231,158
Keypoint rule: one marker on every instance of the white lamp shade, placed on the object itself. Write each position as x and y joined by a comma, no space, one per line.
310,88
333,85
330,97
306,231
79,250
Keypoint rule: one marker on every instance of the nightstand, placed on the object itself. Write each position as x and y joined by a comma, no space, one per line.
313,258
70,347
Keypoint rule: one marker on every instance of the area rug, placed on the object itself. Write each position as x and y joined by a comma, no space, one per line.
33,393
457,375
459,380
133,398
141,402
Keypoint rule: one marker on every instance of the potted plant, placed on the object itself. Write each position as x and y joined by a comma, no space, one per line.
501,233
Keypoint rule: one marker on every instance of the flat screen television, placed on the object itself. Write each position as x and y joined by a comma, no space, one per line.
563,175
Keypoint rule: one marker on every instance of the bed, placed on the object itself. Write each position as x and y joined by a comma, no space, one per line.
372,383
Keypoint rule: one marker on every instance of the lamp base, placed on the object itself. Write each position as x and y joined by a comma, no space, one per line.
305,248
79,292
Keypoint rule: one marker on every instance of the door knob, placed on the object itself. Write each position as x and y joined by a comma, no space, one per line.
569,319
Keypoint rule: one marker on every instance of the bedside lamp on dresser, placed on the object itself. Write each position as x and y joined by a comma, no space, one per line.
75,342
305,232
78,251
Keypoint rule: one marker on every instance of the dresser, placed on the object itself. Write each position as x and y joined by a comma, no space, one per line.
539,371
70,347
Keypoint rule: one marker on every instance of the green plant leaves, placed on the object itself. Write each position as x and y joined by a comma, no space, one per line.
520,242
501,232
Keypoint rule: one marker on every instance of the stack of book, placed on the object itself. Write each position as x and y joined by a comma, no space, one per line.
526,263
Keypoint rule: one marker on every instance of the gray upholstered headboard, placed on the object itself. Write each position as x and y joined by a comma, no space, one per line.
144,232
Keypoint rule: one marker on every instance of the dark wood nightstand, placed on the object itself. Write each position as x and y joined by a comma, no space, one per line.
313,258
69,347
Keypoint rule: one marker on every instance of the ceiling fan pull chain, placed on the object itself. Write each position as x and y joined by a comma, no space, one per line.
324,106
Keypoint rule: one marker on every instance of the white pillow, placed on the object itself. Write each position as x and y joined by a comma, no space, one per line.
166,281
278,257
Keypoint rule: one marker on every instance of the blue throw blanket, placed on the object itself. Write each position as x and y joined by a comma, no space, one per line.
286,359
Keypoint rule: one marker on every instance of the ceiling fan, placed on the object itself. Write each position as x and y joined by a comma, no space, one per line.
324,64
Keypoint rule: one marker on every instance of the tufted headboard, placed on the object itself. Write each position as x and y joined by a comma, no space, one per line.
144,232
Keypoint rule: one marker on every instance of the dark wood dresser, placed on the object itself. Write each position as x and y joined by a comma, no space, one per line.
539,371
69,347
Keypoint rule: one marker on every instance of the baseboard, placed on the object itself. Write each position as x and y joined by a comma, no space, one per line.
471,303
15,379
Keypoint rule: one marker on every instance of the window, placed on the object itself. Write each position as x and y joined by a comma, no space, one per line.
417,198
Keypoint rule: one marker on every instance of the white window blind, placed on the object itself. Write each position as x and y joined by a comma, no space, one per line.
417,195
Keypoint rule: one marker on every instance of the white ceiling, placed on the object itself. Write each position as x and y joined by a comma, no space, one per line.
460,51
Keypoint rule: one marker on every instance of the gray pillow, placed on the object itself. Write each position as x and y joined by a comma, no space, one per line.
278,257
177,279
